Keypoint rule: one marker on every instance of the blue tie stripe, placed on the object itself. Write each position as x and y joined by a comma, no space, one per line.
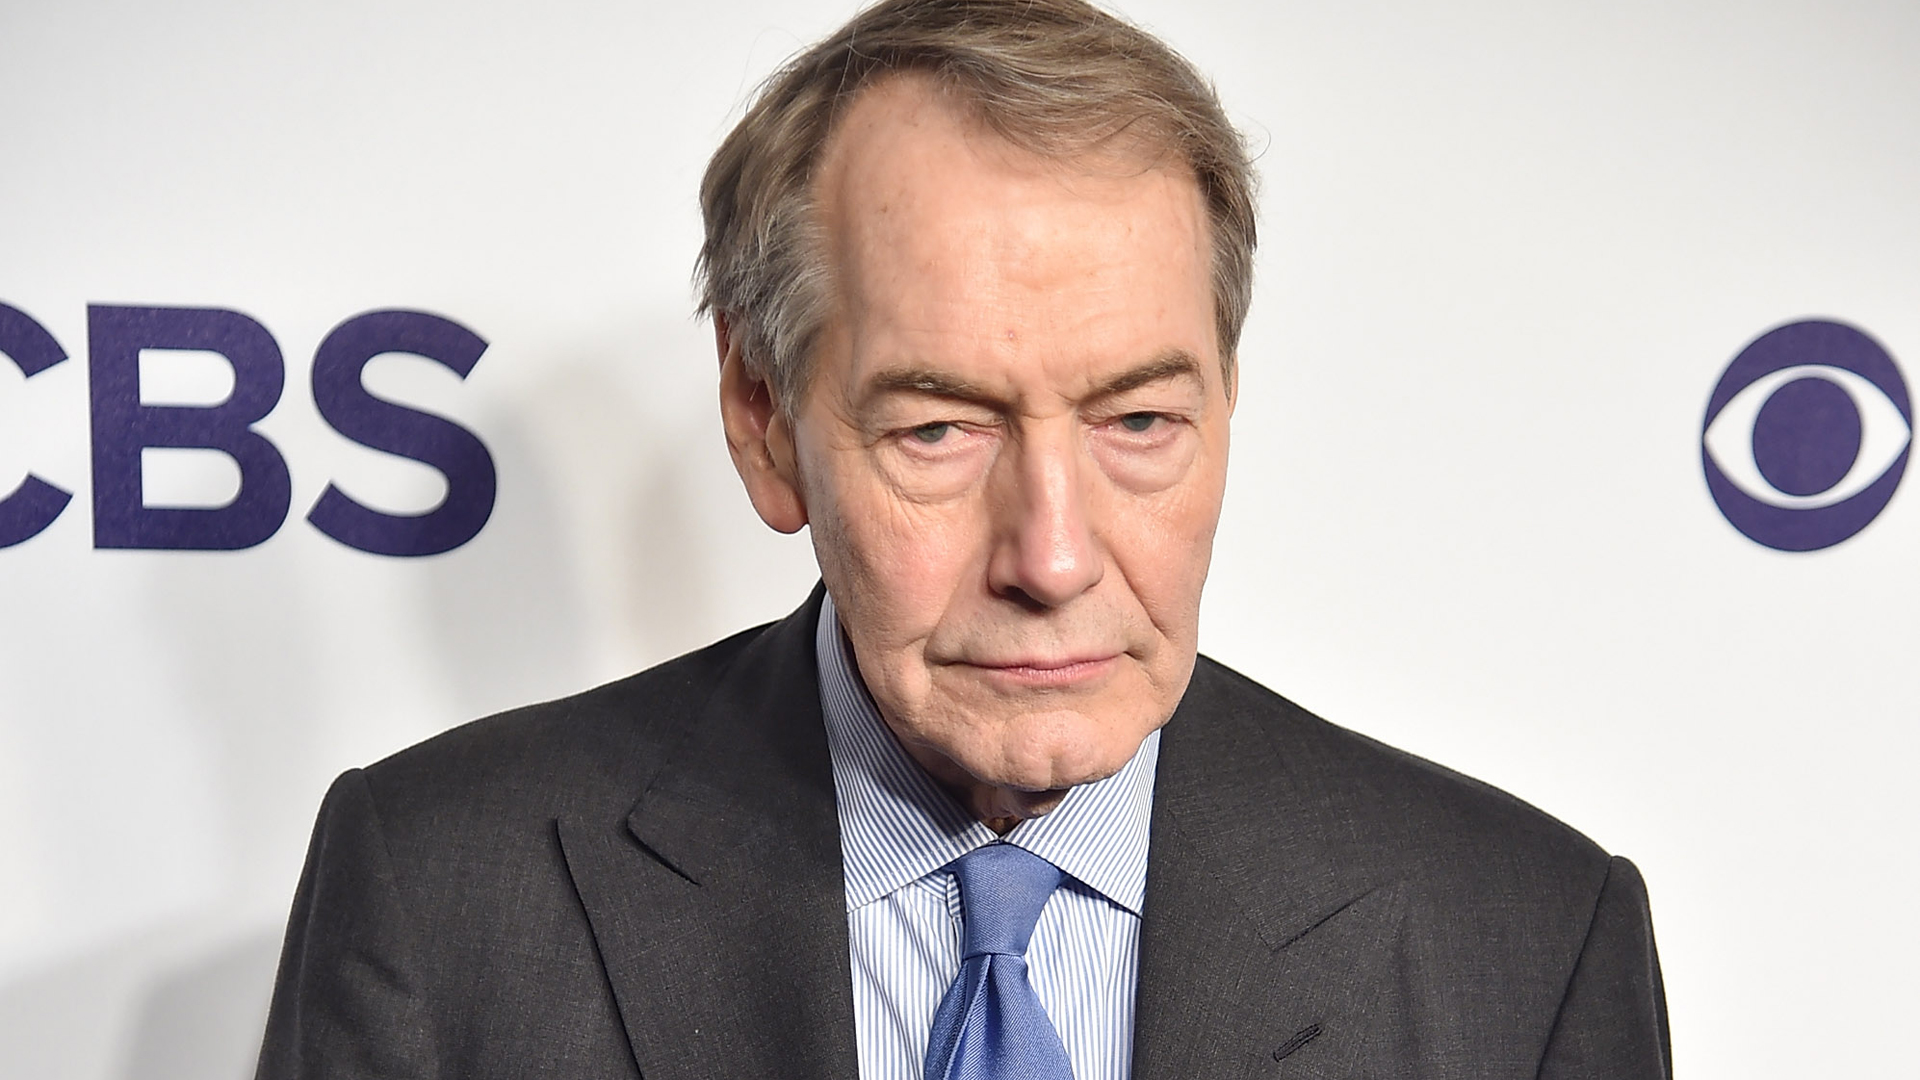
899,835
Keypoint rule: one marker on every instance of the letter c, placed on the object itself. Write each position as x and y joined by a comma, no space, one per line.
35,503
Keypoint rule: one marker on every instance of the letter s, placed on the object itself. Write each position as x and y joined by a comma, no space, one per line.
350,409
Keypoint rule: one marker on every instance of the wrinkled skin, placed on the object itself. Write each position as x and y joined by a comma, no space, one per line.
1012,448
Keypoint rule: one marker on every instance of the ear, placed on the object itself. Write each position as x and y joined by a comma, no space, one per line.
758,436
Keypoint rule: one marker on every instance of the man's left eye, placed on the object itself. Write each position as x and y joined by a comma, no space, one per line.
1139,422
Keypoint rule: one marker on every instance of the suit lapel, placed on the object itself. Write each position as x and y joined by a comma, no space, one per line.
718,903
1262,946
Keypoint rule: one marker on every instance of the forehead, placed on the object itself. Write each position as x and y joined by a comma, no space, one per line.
950,246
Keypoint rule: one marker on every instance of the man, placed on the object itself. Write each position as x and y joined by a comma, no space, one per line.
977,270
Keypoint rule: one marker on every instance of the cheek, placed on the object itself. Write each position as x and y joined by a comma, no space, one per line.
1163,545
897,563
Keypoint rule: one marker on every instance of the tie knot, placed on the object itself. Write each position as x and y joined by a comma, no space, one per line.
1002,889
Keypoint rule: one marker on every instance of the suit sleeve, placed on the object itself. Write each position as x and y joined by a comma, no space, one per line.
1612,1023
348,1000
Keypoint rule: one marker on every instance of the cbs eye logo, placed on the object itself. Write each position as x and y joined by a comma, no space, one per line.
1806,435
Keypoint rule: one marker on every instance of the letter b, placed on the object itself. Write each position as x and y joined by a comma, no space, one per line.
123,427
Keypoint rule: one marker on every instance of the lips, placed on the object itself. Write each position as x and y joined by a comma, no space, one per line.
1049,671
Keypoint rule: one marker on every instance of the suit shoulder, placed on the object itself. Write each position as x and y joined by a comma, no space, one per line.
563,753
1416,810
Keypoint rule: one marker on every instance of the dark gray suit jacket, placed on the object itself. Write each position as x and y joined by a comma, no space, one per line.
645,880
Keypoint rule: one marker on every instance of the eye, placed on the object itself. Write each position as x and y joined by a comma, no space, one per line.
1139,422
931,433
1806,437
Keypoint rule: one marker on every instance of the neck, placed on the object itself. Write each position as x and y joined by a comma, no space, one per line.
999,808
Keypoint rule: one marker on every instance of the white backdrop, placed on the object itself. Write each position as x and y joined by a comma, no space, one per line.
1508,249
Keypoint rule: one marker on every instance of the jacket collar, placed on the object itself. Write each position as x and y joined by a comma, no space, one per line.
1265,933
717,901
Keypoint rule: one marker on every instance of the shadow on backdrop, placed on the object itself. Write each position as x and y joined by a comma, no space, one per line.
596,538
503,615
138,1010
204,1021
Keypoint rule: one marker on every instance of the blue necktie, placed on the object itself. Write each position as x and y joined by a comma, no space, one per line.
991,1025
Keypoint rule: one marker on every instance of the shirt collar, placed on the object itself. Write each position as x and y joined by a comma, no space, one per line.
897,826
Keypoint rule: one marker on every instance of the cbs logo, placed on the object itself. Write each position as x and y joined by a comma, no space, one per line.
1806,435
125,426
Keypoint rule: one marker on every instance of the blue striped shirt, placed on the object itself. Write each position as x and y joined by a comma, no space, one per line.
898,829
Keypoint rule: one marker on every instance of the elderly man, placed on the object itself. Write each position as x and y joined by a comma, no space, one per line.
977,270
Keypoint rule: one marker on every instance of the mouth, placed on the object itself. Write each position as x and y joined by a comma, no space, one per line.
1044,672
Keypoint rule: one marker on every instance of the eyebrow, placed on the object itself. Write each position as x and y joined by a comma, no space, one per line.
1173,365
918,380
1176,364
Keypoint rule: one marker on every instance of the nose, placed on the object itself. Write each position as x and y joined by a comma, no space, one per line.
1044,550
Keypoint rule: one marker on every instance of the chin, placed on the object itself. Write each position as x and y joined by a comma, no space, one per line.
1077,752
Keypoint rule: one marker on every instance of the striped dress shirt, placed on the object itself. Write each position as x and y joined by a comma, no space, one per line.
899,830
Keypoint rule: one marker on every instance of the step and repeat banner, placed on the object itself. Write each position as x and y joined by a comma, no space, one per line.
349,390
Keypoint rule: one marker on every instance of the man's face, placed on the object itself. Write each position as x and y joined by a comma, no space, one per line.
1013,446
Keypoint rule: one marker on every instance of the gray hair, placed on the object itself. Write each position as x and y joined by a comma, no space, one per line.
1059,78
